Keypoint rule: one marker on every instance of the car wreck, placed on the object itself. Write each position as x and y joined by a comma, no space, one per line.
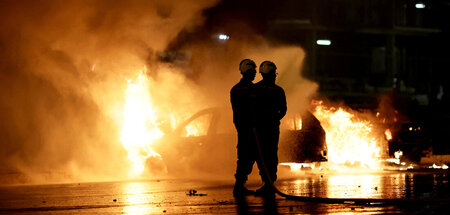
206,141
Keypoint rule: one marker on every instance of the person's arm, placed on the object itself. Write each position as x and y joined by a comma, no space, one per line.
283,105
234,108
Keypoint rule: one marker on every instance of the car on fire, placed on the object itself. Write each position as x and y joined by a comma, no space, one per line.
206,141
412,139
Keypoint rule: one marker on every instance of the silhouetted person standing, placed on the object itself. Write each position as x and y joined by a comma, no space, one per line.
270,109
242,101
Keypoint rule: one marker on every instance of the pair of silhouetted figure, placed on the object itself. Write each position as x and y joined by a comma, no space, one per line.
257,111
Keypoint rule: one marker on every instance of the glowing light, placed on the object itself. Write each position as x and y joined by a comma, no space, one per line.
393,160
223,37
191,131
434,166
136,196
323,42
346,186
139,129
298,166
349,139
93,67
388,134
420,5
197,127
296,123
398,154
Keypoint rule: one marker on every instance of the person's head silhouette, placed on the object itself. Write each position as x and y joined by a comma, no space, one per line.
247,68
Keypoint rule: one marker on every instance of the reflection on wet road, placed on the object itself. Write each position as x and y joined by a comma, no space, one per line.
135,197
169,196
375,185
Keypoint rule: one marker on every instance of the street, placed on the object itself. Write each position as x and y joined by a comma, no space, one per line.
195,196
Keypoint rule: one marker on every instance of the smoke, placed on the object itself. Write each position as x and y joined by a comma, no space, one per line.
64,68
66,65
217,64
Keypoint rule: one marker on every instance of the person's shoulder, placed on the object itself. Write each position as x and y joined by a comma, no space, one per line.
278,87
235,86
242,86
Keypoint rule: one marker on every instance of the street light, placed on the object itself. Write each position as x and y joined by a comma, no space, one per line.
420,5
223,37
323,42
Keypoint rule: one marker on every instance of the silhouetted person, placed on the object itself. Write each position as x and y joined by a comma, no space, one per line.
242,102
270,109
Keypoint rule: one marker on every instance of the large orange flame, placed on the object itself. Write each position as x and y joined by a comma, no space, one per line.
140,128
349,139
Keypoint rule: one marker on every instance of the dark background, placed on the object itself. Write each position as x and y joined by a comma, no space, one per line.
379,47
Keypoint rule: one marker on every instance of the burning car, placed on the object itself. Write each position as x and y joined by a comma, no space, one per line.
207,140
411,138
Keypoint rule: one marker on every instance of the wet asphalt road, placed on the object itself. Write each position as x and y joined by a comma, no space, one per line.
215,197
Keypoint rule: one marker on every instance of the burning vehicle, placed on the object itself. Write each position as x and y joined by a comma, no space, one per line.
335,138
207,139
411,139
305,141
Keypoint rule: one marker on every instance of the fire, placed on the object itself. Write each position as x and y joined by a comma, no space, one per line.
388,134
139,128
349,139
295,123
434,166
197,127
192,131
299,166
398,154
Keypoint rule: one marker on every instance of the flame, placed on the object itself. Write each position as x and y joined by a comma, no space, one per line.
388,134
349,140
296,123
139,129
192,131
299,166
434,166
398,154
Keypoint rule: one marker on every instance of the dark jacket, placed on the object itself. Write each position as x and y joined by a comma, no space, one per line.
242,101
270,103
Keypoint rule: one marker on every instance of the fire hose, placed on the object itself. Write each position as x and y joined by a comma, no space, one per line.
336,200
